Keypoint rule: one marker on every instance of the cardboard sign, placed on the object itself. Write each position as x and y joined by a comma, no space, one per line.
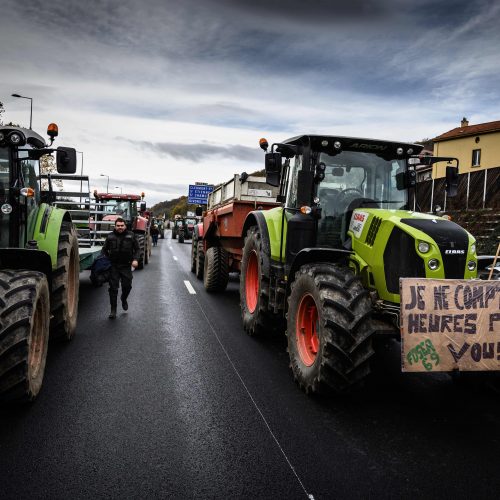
450,325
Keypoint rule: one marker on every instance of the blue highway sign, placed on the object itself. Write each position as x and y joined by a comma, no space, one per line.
199,193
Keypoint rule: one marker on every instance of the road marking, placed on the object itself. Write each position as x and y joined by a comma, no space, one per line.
175,258
310,496
190,288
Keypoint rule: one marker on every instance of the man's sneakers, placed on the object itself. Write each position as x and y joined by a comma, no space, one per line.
112,314
124,304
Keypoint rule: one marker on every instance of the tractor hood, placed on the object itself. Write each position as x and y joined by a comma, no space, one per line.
392,244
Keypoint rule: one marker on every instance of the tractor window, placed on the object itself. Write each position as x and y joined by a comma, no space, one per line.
4,196
293,173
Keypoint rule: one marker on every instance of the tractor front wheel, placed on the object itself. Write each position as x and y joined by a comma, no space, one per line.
216,269
329,329
24,333
65,285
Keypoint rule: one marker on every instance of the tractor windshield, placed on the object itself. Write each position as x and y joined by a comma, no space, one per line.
118,207
355,180
352,175
4,197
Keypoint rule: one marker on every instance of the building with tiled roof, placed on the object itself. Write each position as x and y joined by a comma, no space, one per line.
477,147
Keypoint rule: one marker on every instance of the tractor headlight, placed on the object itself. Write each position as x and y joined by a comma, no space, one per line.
471,265
473,248
433,264
2,136
14,138
423,246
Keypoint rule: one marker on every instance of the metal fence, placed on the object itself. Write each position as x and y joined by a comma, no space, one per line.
476,190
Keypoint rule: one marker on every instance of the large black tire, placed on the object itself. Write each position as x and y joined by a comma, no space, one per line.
174,235
24,333
181,238
200,260
254,288
216,269
65,285
142,250
147,250
194,251
337,355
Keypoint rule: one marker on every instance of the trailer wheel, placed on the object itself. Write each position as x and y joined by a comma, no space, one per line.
194,249
24,333
254,288
142,250
329,328
200,260
65,285
216,269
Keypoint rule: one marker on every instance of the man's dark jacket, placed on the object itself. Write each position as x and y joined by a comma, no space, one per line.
122,248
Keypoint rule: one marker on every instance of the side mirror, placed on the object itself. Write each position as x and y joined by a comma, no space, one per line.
66,160
198,211
451,181
143,206
273,168
305,181
406,179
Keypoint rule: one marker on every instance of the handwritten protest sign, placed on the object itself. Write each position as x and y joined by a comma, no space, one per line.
450,324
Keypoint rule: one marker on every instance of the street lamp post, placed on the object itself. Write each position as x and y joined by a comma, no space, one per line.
31,106
120,188
107,184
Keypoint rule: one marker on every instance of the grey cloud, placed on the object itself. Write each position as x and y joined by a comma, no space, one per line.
199,152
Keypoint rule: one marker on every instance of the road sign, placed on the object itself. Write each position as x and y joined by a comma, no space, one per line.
198,194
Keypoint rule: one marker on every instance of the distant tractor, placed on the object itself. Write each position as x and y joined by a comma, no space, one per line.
131,208
39,261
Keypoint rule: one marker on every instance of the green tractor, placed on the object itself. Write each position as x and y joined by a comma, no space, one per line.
39,261
329,260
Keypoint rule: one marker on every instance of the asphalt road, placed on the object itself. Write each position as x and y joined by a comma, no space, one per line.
173,400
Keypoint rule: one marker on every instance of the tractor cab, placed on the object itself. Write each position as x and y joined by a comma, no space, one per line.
347,199
21,184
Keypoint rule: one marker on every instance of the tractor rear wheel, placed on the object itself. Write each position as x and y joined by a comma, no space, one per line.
329,328
254,288
24,333
200,260
181,238
174,235
142,250
147,250
216,269
65,285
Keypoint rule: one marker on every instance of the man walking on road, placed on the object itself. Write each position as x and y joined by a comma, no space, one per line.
123,250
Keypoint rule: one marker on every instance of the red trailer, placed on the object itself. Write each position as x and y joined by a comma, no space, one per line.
217,244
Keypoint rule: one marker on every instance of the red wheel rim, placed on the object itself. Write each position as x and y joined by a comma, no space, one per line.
252,281
307,325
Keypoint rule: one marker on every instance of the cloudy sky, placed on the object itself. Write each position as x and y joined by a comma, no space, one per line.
159,94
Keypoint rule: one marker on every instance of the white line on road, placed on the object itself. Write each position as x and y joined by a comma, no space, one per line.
175,258
190,288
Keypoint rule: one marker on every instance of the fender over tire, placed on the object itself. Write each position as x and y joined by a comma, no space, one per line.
329,328
65,285
254,288
216,269
24,333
